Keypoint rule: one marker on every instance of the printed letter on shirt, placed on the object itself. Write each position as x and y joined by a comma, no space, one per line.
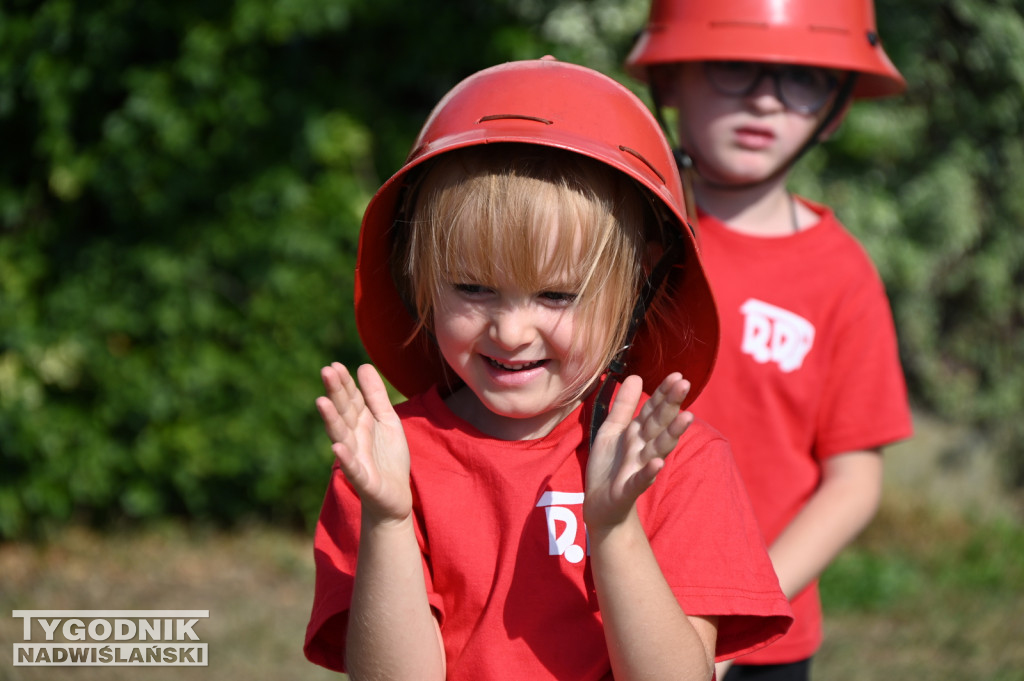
555,509
771,334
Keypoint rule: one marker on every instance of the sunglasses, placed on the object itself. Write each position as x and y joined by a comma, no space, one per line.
804,89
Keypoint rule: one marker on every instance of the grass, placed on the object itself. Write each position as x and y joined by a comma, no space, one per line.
926,595
921,595
257,584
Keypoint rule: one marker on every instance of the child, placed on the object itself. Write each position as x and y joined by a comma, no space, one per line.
808,386
478,531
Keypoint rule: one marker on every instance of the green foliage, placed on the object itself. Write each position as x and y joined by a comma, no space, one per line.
859,581
931,183
180,195
901,561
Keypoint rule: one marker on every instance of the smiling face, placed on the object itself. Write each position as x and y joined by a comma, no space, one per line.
515,351
736,139
525,263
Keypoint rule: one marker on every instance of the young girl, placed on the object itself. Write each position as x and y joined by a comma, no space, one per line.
479,531
808,386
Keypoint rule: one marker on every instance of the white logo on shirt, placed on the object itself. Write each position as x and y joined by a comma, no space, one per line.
563,543
771,334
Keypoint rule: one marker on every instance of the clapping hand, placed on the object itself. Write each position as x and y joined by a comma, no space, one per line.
629,452
368,440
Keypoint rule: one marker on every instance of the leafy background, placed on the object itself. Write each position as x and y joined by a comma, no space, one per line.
180,192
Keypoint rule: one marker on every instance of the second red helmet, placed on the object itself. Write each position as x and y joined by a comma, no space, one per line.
837,34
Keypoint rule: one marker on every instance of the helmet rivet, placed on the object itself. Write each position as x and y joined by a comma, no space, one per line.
872,38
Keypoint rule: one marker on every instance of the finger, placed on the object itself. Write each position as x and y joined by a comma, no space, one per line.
336,379
342,391
680,389
640,482
624,404
662,444
672,389
350,465
343,396
663,407
337,429
375,394
658,420
353,399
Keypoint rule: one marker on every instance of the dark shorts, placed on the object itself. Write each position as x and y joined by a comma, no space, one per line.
791,671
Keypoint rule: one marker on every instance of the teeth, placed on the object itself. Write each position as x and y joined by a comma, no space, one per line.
515,367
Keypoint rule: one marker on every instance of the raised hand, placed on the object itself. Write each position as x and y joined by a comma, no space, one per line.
629,452
368,440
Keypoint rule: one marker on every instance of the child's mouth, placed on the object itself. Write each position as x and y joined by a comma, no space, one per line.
517,366
754,138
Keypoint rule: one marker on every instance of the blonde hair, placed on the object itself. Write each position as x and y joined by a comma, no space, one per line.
538,218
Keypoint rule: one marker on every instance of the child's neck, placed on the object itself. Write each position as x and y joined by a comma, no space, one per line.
763,210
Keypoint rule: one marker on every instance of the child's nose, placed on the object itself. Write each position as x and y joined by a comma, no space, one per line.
765,94
512,327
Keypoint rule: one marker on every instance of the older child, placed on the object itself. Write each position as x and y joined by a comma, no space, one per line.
808,387
479,531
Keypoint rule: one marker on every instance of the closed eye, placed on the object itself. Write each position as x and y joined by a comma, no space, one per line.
471,289
559,297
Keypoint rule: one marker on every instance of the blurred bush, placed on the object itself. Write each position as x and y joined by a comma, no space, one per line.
181,186
932,182
180,192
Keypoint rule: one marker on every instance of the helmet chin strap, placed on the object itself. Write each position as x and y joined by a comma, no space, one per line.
688,165
673,256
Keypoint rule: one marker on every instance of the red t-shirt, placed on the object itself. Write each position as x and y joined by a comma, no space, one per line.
808,368
504,548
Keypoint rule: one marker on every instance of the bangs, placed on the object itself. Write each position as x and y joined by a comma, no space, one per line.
518,232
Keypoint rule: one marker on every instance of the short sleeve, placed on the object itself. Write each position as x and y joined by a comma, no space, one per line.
711,551
864,404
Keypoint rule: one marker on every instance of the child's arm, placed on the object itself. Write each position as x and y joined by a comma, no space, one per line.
389,611
844,503
648,634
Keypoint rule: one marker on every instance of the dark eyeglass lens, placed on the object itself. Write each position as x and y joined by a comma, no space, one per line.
733,77
802,88
805,89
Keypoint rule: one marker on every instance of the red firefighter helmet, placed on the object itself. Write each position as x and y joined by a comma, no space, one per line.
554,104
836,34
